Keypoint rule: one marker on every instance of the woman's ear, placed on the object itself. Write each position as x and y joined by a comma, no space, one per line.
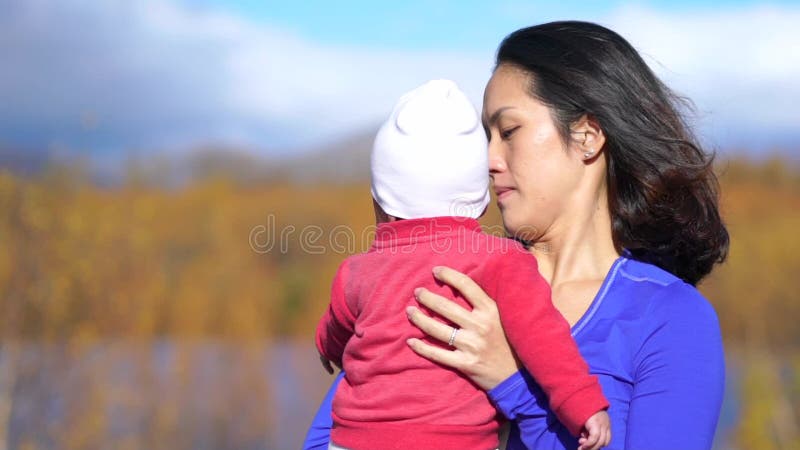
587,138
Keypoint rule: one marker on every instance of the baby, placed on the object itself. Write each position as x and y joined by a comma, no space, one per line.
430,183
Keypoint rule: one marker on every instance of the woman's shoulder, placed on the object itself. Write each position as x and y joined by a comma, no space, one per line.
660,295
642,272
657,296
656,314
676,327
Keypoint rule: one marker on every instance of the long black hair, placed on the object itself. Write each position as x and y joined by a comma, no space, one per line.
663,193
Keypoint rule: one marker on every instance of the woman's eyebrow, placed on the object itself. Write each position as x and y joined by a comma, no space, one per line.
496,115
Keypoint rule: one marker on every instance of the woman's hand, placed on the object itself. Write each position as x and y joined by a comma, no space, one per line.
481,351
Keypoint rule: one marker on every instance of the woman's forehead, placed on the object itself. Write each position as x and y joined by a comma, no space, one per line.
508,90
507,83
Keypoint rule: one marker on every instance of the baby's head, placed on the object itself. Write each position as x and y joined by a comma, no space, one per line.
430,157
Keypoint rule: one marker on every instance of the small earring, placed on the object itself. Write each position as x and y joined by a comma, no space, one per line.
588,154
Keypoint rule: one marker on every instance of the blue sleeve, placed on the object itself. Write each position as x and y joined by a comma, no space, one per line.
677,391
319,434
680,376
520,399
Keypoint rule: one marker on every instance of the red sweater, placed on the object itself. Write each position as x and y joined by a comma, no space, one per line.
393,398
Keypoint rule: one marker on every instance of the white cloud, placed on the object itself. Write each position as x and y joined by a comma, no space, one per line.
157,74
125,75
740,66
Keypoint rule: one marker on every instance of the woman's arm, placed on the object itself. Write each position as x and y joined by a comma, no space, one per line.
522,401
680,375
319,434
483,354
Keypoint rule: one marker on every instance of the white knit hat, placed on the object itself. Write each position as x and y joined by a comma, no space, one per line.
430,157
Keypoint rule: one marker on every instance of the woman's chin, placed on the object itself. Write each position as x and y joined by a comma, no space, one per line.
518,229
512,228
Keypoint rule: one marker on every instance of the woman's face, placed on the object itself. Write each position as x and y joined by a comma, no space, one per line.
533,174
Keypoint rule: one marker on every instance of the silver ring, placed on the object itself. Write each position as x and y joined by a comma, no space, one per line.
453,336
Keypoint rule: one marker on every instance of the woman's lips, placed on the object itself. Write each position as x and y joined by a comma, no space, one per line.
503,193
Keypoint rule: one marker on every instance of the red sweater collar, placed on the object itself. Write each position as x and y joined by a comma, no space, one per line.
407,231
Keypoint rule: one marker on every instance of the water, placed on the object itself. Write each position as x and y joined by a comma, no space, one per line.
176,395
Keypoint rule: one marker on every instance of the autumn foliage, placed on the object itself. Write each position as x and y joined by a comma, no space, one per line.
247,263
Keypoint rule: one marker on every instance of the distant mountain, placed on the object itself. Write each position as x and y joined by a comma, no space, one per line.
340,162
23,162
345,161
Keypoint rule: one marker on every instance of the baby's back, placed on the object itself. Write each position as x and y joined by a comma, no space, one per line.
386,382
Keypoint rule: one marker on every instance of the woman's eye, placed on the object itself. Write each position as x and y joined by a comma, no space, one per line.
505,134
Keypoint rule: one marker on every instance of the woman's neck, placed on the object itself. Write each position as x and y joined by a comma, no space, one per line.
580,247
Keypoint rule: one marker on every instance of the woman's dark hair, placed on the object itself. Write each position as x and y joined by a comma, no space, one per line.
662,188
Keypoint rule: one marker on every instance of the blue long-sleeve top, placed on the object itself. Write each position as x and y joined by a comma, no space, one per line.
655,345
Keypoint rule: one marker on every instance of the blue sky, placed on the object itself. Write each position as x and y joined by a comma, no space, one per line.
453,24
445,24
116,76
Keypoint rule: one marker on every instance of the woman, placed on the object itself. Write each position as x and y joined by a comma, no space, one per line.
595,169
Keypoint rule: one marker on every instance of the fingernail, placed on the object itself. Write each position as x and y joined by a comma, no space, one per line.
417,291
437,269
410,310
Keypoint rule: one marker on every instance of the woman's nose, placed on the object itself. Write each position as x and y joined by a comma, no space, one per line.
496,162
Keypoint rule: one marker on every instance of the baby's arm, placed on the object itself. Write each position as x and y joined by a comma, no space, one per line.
337,325
596,433
541,339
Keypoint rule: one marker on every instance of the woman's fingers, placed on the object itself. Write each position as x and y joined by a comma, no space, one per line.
449,358
445,307
482,352
429,325
464,284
